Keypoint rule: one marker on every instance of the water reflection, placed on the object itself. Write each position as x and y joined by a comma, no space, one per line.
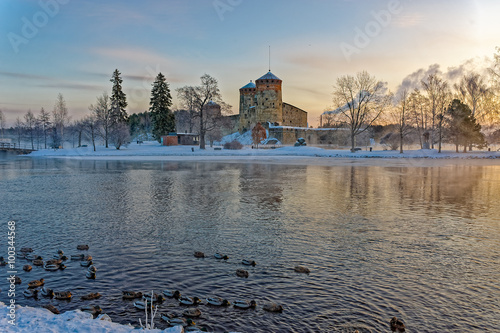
421,243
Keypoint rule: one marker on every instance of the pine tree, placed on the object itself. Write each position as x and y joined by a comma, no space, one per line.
160,103
463,127
118,99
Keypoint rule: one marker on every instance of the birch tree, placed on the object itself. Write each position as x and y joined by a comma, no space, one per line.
360,100
60,119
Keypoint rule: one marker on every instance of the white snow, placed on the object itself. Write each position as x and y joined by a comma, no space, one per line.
152,150
28,319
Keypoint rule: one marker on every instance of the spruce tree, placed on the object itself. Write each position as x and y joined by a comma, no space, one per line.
118,99
160,103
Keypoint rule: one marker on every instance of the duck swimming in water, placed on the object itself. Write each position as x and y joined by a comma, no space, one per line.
189,300
221,256
272,307
51,308
63,295
217,301
248,262
47,292
131,294
244,304
192,313
91,296
27,268
172,293
30,293
36,283
82,247
241,273
94,310
397,325
172,320
199,254
301,269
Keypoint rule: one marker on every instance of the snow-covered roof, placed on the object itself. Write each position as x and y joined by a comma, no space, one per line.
269,76
249,85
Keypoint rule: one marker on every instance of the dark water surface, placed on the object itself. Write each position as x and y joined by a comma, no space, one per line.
419,243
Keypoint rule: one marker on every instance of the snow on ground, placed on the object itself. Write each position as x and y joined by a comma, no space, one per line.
154,149
28,319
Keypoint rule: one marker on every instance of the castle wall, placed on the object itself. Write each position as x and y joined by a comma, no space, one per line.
293,116
269,102
313,136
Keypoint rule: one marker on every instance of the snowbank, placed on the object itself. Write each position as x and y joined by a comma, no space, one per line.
153,150
30,319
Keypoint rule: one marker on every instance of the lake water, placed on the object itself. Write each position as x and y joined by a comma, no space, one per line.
418,242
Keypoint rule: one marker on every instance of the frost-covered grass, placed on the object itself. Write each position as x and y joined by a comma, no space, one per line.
30,319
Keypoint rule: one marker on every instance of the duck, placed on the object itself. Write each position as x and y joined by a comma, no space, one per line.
156,298
172,320
172,293
77,256
62,295
38,262
62,267
17,280
91,296
220,256
217,301
90,275
241,273
30,293
26,249
36,283
92,269
51,267
397,325
272,307
86,263
141,305
2,262
54,261
248,262
94,310
27,268
82,247
131,294
241,304
51,308
60,253
32,256
302,269
199,254
47,292
192,313
184,300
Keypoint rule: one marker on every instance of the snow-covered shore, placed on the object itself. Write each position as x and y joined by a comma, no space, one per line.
28,319
153,151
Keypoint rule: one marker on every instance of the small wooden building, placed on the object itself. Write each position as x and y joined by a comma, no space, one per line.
174,139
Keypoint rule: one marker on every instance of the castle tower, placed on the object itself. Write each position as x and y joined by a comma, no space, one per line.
248,115
269,102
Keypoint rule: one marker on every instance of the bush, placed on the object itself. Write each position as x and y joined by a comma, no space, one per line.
233,145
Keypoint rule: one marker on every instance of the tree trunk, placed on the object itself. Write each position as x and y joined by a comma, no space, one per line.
353,141
440,138
202,130
401,141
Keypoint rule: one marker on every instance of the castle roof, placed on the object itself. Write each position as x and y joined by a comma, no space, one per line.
269,76
249,85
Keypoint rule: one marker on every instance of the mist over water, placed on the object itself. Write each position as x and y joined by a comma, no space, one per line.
420,243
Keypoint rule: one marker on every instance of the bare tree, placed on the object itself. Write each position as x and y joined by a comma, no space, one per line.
19,128
29,125
438,95
90,127
120,134
61,118
360,100
103,115
418,113
2,122
400,115
200,96
258,134
186,96
44,123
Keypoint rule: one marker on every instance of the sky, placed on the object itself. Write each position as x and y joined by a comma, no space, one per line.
72,47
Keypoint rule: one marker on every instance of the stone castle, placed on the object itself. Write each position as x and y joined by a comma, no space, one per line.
262,102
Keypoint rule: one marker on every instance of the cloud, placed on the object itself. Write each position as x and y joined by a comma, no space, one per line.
408,20
24,76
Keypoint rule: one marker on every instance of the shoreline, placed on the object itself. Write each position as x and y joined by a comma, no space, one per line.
152,151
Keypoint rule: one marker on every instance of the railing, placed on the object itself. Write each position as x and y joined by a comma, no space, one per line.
15,146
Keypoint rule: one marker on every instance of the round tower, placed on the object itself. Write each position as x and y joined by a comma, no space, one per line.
269,103
247,107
